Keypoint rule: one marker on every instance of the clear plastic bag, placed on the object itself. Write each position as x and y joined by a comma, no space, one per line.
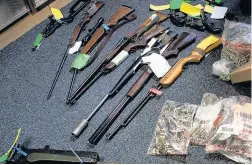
236,39
233,137
205,119
237,36
172,131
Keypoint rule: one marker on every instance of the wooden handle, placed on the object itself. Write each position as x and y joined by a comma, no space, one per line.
122,12
177,69
139,84
95,38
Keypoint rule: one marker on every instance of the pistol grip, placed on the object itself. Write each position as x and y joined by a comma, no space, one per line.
177,69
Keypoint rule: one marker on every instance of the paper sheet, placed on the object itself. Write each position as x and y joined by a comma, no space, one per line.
157,63
219,12
161,7
209,9
207,42
175,4
189,9
56,13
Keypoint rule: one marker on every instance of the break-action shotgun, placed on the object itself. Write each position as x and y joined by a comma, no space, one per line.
204,47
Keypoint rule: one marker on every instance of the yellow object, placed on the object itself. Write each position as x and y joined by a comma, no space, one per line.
199,6
161,7
209,9
56,13
207,41
189,9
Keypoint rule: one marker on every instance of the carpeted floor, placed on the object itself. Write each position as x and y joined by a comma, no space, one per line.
26,77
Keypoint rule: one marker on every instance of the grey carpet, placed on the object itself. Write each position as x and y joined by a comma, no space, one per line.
26,77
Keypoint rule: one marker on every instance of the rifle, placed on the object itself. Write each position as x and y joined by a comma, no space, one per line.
54,24
121,17
101,68
77,30
185,40
130,72
197,55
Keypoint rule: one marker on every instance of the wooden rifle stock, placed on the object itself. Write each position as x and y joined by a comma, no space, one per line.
196,56
121,13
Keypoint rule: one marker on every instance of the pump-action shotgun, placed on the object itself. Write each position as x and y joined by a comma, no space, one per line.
204,47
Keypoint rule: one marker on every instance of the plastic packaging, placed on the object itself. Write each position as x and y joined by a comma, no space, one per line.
236,39
233,137
237,36
171,135
205,120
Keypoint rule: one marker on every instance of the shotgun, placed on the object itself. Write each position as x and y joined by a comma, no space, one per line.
185,40
133,41
77,30
131,71
204,47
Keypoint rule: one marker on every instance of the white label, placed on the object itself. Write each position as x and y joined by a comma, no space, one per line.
157,63
219,12
149,46
228,129
120,57
75,47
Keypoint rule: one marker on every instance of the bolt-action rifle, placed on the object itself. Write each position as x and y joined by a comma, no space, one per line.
204,47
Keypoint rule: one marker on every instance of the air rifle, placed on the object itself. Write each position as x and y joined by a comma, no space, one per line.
130,72
77,30
185,40
54,24
197,55
128,40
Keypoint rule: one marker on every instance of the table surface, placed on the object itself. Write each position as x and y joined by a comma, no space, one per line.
26,78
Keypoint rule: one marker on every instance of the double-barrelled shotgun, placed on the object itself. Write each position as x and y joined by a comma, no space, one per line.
204,47
77,30
155,61
128,41
54,24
